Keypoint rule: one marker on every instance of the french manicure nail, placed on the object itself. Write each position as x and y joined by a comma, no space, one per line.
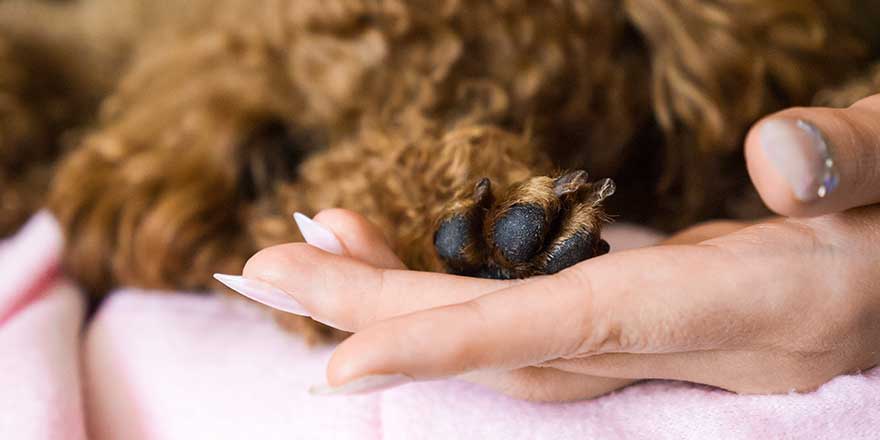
262,293
366,384
802,155
317,234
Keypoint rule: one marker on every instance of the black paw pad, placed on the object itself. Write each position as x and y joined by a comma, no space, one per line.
452,239
543,225
602,248
577,248
519,233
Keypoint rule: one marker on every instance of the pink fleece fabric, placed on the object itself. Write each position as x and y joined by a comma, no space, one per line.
28,262
40,321
181,366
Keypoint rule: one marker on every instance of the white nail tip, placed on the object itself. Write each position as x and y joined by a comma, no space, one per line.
367,384
262,293
317,234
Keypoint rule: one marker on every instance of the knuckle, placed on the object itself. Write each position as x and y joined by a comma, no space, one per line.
602,328
609,335
597,329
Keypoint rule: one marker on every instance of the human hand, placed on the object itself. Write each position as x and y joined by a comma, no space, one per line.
780,305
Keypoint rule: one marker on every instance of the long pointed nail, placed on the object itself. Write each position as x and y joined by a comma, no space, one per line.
802,155
262,293
366,384
318,235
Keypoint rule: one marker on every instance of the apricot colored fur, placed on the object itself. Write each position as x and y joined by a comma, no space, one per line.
200,125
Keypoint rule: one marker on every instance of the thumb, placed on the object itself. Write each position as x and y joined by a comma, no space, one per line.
814,161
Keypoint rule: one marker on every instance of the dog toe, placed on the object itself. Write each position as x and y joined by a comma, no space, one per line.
458,236
519,233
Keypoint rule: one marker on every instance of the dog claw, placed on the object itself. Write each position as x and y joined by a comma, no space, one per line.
570,182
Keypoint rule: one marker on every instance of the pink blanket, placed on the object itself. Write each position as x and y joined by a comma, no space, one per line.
168,366
40,320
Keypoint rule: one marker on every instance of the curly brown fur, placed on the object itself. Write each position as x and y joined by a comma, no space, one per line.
391,107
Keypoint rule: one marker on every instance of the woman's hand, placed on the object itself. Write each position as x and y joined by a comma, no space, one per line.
782,305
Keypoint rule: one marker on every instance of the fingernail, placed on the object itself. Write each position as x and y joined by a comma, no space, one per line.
802,155
317,234
366,384
262,293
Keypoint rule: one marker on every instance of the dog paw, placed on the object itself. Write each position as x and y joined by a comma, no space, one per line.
539,226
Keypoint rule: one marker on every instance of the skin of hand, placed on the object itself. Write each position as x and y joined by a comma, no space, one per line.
780,305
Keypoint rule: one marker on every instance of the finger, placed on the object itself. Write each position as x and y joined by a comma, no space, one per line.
812,161
360,238
748,371
546,384
690,299
349,294
723,369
